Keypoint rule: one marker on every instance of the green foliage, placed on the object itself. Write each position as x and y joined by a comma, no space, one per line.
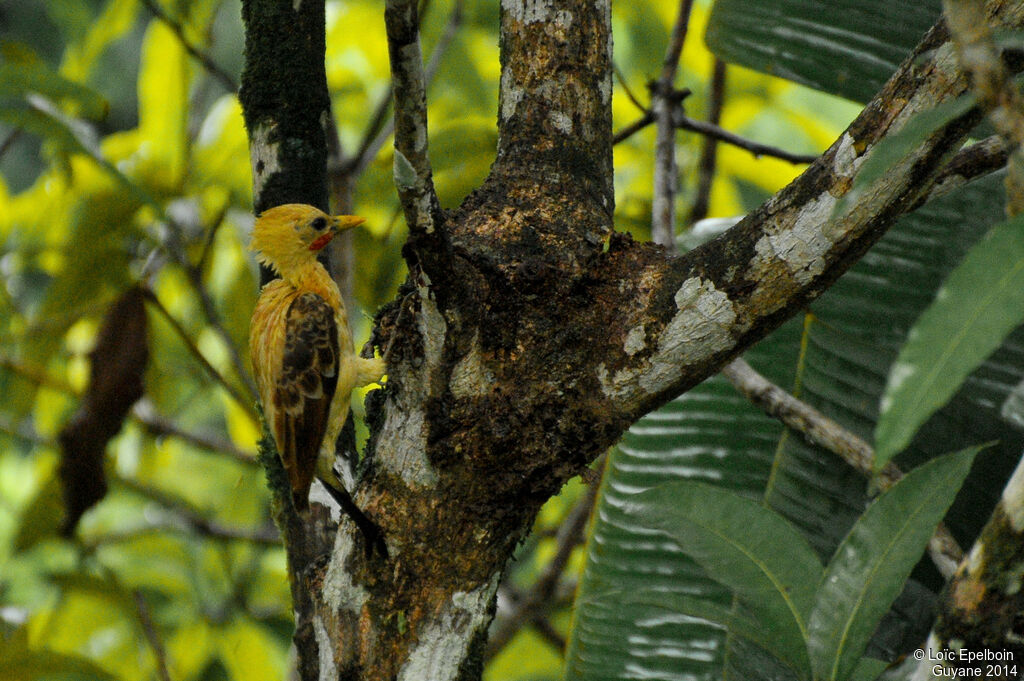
710,434
844,47
874,560
760,557
820,622
979,304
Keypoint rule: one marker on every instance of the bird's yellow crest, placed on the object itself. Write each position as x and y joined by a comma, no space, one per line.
288,237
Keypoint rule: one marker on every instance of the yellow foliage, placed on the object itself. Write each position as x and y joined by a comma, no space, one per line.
189,649
164,84
243,430
80,58
221,152
250,653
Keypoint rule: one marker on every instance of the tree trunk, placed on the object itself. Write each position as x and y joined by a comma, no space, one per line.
529,334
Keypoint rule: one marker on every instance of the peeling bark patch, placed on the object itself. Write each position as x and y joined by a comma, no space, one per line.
510,95
406,429
325,646
432,329
264,156
847,161
561,122
635,340
698,331
443,642
339,589
803,247
405,174
470,377
528,11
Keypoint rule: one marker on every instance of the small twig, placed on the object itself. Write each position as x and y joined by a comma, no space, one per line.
709,151
756,148
5,146
37,376
211,236
970,163
83,136
548,632
670,64
633,128
217,324
664,99
720,134
149,629
160,426
194,274
142,412
184,517
630,95
198,54
826,433
242,401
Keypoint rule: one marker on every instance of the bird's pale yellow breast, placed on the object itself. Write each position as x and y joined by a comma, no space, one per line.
267,330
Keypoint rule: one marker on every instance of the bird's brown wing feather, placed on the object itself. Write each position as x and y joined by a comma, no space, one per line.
302,397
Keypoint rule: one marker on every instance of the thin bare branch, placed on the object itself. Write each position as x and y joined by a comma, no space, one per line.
716,132
630,95
664,99
633,128
709,150
756,148
181,517
142,412
211,236
152,637
822,431
161,426
217,324
413,175
174,245
222,76
245,403
37,375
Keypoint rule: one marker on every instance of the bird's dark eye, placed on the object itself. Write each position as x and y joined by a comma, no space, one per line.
320,223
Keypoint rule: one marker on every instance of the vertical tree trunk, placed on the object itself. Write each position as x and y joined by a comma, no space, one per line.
286,106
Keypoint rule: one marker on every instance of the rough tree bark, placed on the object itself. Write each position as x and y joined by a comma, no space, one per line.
532,334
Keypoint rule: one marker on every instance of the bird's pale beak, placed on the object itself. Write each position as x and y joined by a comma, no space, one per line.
346,222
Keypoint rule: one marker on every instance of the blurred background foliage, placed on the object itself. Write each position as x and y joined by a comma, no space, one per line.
123,161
